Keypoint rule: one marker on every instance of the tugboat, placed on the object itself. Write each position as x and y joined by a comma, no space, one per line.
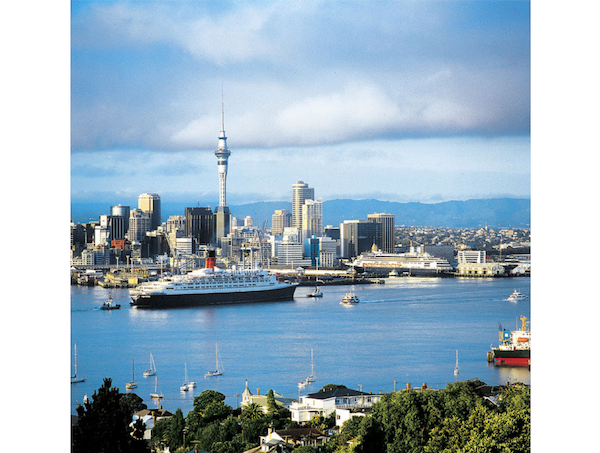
515,346
349,299
315,293
108,305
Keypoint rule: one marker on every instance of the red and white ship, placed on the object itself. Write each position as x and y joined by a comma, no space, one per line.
515,346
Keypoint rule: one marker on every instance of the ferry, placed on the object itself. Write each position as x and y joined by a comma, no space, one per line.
210,286
349,299
515,346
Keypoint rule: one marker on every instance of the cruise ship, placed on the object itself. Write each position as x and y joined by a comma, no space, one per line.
211,286
410,262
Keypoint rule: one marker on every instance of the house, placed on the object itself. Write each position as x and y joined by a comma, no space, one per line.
149,417
291,438
325,403
248,398
343,415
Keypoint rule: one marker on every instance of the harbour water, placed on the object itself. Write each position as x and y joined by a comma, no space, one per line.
407,330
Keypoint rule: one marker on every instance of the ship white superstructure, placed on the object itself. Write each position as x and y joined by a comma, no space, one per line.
408,260
211,286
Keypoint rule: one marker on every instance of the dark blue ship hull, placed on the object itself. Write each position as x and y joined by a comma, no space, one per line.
193,300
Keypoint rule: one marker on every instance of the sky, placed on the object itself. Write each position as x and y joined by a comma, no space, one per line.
395,100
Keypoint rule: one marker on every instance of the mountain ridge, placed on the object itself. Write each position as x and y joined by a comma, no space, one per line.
474,213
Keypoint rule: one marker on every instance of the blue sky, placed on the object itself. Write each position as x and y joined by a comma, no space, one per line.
400,101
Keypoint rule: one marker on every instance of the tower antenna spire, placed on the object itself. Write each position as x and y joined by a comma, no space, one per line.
222,110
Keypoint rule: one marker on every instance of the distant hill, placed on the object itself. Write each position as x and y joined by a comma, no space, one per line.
495,212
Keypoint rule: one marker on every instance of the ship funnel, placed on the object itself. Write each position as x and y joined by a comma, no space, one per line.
210,260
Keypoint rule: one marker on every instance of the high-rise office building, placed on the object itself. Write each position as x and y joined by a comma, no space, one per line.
280,220
200,224
150,203
121,211
222,214
115,225
387,230
312,218
139,225
300,193
358,236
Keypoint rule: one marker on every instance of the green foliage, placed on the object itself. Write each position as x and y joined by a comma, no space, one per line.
252,412
452,420
103,424
305,449
328,387
175,432
322,423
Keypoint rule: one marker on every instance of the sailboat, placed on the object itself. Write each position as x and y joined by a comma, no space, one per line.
312,376
152,370
187,384
218,371
156,395
456,368
74,378
132,384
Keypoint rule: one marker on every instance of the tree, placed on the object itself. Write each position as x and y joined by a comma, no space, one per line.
103,423
252,412
329,387
175,432
305,449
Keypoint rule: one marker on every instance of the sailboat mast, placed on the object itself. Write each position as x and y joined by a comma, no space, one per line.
75,361
217,355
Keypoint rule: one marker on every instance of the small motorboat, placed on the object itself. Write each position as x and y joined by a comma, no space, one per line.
108,305
349,299
315,293
516,295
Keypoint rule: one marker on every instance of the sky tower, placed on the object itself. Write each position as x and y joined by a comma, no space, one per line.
222,154
223,216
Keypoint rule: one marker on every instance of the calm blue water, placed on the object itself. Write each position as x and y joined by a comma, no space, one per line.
406,331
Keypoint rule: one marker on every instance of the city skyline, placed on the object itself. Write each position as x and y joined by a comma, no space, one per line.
427,102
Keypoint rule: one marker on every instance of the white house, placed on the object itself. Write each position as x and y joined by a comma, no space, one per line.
325,403
343,415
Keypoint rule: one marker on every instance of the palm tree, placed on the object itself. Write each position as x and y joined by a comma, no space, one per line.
253,411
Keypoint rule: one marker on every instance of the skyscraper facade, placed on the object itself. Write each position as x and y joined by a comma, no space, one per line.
300,193
121,211
139,225
222,214
312,218
200,224
387,230
282,218
150,203
358,236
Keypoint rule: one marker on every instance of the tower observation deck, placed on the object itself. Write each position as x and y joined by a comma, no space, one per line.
222,154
